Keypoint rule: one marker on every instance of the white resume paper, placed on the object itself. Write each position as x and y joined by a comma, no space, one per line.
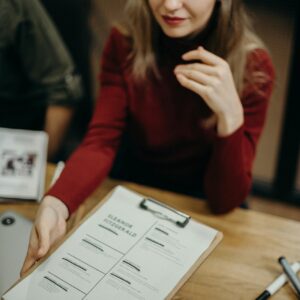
120,252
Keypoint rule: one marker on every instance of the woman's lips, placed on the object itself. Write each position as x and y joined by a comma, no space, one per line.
173,20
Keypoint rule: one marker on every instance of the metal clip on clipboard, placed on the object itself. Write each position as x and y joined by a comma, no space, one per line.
165,212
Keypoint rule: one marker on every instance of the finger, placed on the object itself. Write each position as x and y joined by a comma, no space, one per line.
31,256
203,55
196,87
197,76
28,263
44,240
206,69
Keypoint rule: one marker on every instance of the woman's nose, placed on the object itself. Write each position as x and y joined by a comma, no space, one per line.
172,5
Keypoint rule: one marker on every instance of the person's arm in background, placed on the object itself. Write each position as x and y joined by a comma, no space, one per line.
57,121
50,70
91,162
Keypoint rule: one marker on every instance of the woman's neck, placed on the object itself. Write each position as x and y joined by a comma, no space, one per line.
171,49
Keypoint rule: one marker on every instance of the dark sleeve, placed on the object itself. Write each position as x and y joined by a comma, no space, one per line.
228,178
92,161
43,56
8,19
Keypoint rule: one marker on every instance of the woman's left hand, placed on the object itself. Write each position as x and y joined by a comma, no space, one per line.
211,79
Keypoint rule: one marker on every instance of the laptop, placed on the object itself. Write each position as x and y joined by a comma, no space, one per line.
14,238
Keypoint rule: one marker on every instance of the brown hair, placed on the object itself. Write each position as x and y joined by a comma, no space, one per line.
232,38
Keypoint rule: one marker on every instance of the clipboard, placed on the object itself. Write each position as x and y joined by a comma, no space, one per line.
165,212
180,219
150,206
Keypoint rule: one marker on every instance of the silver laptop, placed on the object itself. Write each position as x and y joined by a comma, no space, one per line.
14,237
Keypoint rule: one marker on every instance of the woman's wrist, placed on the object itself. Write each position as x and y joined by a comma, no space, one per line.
56,204
228,124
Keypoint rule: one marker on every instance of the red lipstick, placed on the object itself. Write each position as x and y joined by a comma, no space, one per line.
173,20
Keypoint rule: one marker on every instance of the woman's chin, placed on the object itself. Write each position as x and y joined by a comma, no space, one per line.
176,32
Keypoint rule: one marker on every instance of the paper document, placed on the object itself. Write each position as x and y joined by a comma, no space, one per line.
119,252
23,155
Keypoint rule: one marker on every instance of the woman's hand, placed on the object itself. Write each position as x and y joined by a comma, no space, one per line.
49,226
211,78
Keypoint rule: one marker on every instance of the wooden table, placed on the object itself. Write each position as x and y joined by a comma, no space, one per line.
241,266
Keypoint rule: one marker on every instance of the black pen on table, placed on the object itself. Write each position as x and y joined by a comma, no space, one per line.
291,275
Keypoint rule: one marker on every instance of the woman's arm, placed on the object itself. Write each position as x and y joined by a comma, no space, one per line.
89,164
93,159
228,177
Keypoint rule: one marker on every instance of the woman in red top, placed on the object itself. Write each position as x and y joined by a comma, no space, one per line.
187,83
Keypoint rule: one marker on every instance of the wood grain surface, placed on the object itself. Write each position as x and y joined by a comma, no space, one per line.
243,264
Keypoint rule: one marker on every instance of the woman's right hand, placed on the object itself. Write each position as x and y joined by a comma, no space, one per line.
49,226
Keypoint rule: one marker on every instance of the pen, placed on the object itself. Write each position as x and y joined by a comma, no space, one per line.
290,274
59,167
277,283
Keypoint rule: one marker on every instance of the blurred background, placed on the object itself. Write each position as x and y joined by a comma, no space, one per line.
85,24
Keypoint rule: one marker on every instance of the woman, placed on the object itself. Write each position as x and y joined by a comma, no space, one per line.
188,82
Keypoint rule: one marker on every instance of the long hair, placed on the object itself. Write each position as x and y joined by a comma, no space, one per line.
232,38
